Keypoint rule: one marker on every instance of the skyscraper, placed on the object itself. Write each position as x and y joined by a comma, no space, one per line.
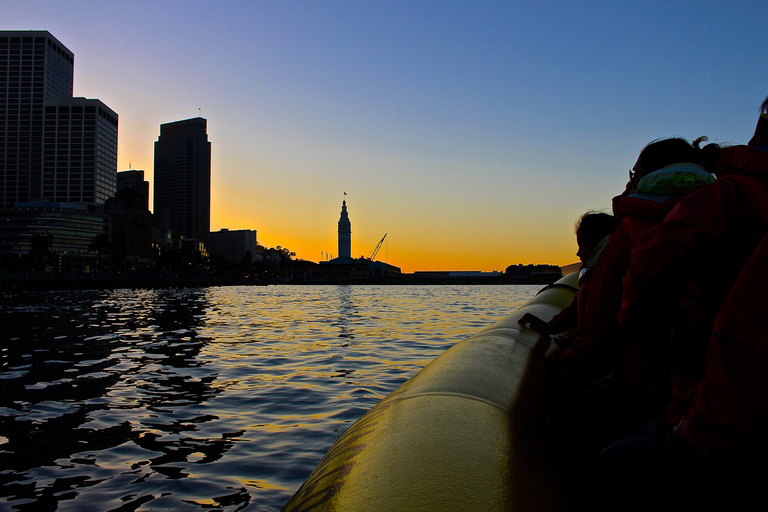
183,178
52,146
80,151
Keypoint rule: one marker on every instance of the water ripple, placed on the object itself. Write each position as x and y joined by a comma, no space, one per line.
218,398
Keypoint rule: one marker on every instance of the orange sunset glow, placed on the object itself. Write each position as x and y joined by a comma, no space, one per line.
474,142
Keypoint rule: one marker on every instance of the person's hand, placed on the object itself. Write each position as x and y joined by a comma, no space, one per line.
535,322
553,353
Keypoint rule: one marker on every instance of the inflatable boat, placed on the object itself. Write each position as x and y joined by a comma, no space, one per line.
465,433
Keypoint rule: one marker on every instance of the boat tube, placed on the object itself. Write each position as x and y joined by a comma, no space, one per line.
467,432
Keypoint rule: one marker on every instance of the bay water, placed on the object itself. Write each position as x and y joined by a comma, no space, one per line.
221,398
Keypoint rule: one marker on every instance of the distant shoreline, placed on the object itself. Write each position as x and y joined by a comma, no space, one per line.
51,281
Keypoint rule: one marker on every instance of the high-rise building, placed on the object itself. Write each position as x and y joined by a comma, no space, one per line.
80,151
134,179
183,179
52,146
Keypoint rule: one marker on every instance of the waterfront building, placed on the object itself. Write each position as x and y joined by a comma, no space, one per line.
182,198
53,147
535,270
456,273
134,179
232,244
71,227
130,231
344,266
380,268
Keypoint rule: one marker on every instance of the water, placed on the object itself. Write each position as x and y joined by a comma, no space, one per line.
206,399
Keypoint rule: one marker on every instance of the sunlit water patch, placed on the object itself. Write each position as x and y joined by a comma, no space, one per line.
206,399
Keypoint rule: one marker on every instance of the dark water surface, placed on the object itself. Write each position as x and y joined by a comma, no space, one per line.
206,399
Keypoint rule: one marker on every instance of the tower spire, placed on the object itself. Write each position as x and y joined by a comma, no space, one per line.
345,234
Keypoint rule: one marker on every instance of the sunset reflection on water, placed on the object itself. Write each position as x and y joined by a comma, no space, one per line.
197,398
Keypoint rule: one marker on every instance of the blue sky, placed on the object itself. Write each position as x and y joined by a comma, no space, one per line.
473,133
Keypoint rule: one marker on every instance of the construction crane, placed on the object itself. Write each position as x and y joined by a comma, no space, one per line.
378,246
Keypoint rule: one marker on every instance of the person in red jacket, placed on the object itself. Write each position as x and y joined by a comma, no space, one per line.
692,299
665,172
631,387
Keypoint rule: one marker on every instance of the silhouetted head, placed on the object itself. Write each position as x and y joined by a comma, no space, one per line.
760,138
590,229
663,152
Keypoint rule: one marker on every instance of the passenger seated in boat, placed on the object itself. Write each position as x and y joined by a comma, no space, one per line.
592,232
632,387
692,300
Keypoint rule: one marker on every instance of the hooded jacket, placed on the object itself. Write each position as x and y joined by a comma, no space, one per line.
700,275
601,344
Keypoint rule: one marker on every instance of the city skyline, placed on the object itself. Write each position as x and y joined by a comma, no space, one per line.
474,135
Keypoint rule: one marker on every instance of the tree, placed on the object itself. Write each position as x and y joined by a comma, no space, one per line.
41,248
100,244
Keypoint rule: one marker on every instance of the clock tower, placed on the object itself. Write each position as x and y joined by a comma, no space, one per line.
345,235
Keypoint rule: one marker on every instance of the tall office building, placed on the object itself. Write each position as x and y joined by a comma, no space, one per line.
79,151
183,178
53,147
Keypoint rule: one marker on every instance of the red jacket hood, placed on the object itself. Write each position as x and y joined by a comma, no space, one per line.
645,207
742,160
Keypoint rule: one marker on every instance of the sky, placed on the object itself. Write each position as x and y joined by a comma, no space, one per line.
474,134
